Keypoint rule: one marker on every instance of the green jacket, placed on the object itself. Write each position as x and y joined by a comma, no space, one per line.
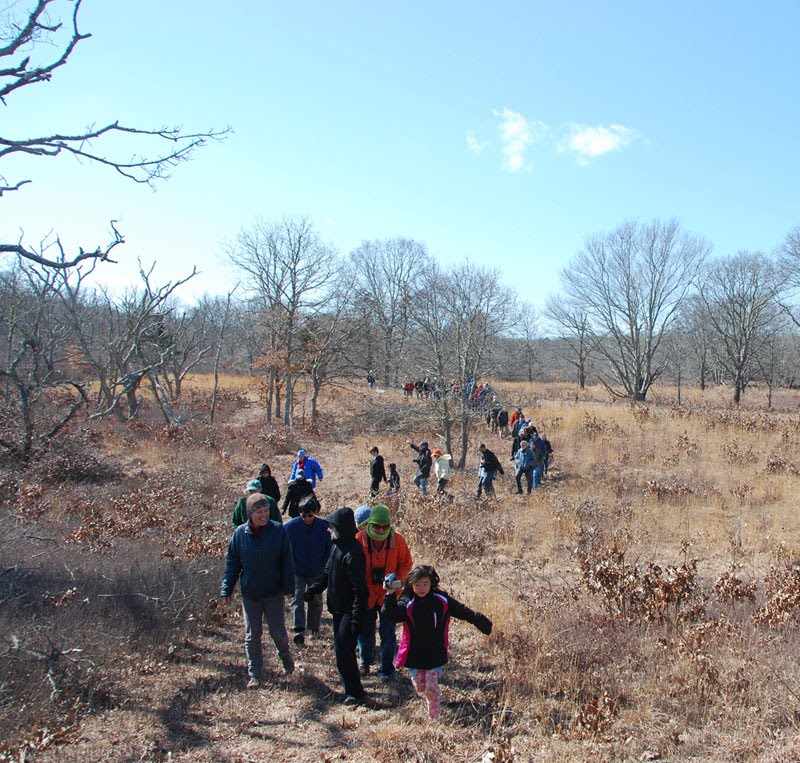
240,512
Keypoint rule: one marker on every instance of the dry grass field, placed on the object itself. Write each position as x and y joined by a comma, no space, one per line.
645,597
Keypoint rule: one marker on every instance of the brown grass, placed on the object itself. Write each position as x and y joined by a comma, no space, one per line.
645,599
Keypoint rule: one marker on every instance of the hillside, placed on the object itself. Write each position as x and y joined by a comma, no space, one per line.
644,598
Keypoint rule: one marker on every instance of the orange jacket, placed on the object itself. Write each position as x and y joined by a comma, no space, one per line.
395,557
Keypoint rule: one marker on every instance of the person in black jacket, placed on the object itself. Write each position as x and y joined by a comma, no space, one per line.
346,582
490,465
425,611
424,462
298,489
269,485
377,472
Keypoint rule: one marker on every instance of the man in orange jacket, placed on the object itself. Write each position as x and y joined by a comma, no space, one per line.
387,553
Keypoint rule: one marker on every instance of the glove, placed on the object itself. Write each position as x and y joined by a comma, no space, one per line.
483,624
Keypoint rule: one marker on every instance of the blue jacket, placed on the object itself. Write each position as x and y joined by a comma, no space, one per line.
524,459
311,469
264,563
311,546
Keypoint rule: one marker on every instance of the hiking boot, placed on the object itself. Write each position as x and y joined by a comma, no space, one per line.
288,664
299,639
253,683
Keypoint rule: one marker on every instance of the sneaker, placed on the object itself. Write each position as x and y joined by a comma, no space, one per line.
364,670
351,700
288,664
299,639
253,683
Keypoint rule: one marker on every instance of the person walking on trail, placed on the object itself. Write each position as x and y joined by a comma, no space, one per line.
424,461
298,489
269,485
240,512
310,467
441,468
377,472
311,546
524,462
489,467
394,480
548,452
425,612
387,553
260,556
502,422
345,580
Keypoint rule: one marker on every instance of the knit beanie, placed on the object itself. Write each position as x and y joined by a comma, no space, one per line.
255,502
362,514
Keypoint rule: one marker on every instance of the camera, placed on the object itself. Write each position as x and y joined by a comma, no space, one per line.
377,575
391,583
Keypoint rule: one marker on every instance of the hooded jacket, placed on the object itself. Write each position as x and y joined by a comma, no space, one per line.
345,573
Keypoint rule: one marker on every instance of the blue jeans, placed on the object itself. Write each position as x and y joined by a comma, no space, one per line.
485,482
537,476
388,634
422,483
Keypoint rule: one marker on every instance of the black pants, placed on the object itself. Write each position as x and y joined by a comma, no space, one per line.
344,647
375,486
528,478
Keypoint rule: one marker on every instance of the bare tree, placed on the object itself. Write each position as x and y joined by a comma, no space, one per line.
387,277
123,341
630,282
741,296
288,271
325,341
789,253
34,44
42,389
461,315
525,328
575,334
218,312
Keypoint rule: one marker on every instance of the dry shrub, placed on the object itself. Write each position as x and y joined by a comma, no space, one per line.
782,593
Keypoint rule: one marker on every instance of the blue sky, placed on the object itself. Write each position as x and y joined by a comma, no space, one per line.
504,134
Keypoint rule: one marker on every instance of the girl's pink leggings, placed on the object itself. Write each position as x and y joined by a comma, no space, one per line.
426,682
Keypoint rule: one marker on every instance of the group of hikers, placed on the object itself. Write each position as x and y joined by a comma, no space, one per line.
475,395
364,565
531,453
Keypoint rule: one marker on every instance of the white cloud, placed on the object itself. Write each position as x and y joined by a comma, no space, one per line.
473,144
590,142
516,135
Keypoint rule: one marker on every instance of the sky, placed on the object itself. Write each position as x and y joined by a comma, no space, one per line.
502,134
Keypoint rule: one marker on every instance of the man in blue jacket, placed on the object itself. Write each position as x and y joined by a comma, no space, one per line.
310,467
259,554
311,546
